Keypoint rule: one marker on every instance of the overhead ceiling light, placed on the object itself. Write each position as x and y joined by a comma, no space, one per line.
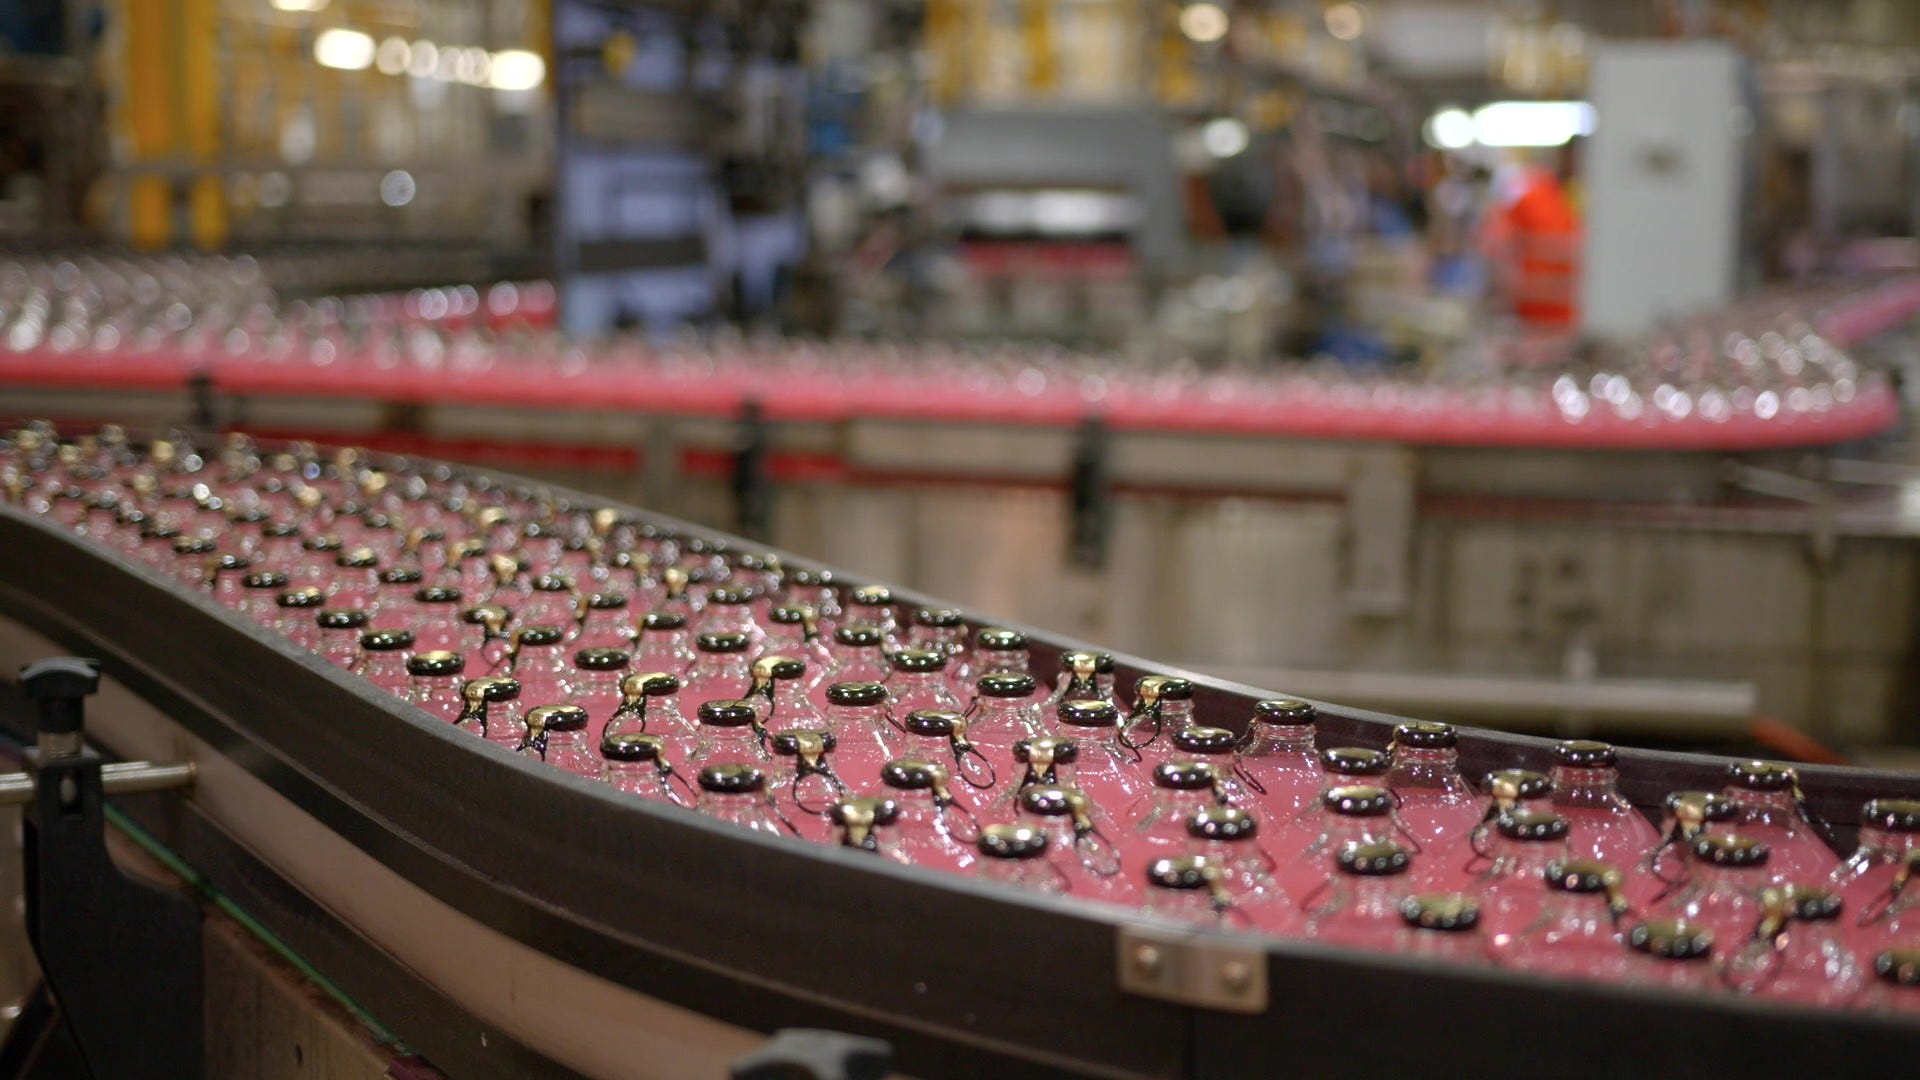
1224,137
517,69
392,56
300,5
1205,23
346,50
1346,21
1450,129
1532,123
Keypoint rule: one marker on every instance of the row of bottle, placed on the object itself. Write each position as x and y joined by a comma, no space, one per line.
866,738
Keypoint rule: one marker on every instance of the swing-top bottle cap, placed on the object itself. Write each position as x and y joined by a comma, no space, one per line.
732,778
1425,735
1087,712
918,661
939,618
1059,751
931,722
1376,858
1531,826
1357,800
1726,849
437,594
602,659
912,774
341,619
1204,740
857,635
1354,761
1182,872
1446,912
1671,939
1582,876
1226,823
1181,775
631,747
438,662
725,642
856,693
1000,639
1761,776
1007,841
1006,685
790,742
727,713
265,579
1585,754
1523,784
1285,712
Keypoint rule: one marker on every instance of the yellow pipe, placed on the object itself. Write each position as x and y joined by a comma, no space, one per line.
148,95
200,110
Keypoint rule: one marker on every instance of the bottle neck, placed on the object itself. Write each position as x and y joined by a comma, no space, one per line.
1366,896
1772,801
1583,915
1171,803
847,720
720,664
729,736
1512,858
1884,845
1426,762
1277,739
1569,778
1003,662
1001,716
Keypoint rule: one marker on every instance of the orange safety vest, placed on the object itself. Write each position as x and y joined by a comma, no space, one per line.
1537,238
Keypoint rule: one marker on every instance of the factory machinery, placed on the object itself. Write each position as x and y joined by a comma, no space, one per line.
1550,536
356,697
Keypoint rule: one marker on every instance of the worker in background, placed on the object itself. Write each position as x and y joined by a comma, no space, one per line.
1531,236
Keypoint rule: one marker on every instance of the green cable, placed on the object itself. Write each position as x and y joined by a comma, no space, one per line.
225,903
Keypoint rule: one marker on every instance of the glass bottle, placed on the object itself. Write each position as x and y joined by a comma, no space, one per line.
295,621
1229,838
779,691
935,828
1797,952
1897,988
433,682
859,654
1452,863
1016,854
604,623
1892,917
1359,905
1159,819
354,582
1586,791
814,591
1672,953
483,634
224,573
1578,932
1083,675
729,731
190,557
1512,886
938,735
1347,816
858,717
1277,760
729,610
1042,759
865,824
383,658
1770,810
918,680
735,792
1664,868
1108,770
1341,766
638,764
791,631
339,635
490,709
650,705
259,595
393,596
1889,830
996,650
943,630
872,605
1216,747
594,685
316,569
1002,713
1083,854
438,624
665,644
720,667
1436,802
1162,705
1722,893
1442,926
806,790
1192,889
539,660
557,735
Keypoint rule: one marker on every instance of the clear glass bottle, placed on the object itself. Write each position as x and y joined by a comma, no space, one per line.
354,582
224,573
638,764
1889,830
1162,705
735,792
1218,748
1229,838
729,733
729,610
1108,770
259,595
996,650
1043,759
1454,862
1797,951
539,660
935,828
1017,855
943,630
549,602
1770,810
866,823
650,705
393,595
557,735
1897,987
1892,918
1192,889
604,623
859,654
1347,816
721,667
779,691
1002,713
1512,886
433,682
438,625
189,563
594,684
872,605
665,644
804,785
940,735
1722,893
917,679
484,636
1586,791
339,635
490,708
1665,868
1672,953
1359,905
1442,926
814,591
383,658
295,621
1578,932
1277,760
1083,676
1084,855
1158,820
858,717
1436,802
791,631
